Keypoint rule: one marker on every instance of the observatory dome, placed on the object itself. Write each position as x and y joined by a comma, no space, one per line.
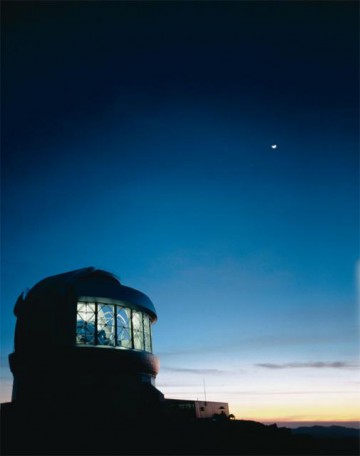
45,314
87,324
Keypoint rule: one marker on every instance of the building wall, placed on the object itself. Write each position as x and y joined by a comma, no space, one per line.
209,409
185,409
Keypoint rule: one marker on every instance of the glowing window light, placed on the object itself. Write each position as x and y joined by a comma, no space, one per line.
85,325
123,335
112,325
105,325
138,330
147,333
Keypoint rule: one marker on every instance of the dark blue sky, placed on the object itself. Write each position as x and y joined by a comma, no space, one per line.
136,137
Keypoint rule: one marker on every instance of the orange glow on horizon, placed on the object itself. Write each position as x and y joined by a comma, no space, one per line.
297,412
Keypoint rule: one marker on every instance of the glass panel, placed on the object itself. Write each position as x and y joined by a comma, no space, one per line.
85,324
106,325
123,327
147,333
138,330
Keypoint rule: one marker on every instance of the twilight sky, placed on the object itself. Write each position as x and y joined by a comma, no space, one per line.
136,138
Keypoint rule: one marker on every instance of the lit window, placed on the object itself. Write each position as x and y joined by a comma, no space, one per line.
147,333
105,325
138,330
112,325
123,318
85,325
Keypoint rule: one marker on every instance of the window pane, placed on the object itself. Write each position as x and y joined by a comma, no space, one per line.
138,330
123,327
85,324
147,333
105,325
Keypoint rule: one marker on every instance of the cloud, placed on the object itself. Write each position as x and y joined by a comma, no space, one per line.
311,365
192,371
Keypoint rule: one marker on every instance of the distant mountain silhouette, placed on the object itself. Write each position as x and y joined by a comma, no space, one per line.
327,431
328,440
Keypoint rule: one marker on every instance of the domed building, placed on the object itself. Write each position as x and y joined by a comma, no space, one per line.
84,338
84,373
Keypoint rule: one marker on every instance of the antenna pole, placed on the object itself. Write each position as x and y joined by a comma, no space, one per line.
204,391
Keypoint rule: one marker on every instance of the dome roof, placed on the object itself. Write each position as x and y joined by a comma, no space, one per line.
85,282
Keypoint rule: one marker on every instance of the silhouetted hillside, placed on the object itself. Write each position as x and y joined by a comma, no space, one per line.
93,433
